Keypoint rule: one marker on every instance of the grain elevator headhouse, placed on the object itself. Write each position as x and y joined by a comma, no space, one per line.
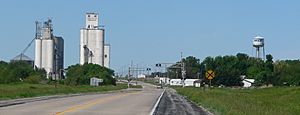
92,41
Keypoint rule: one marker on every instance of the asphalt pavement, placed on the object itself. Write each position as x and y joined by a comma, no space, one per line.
129,102
172,103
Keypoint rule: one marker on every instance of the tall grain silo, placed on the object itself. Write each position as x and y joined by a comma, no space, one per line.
48,56
49,51
38,53
92,41
107,55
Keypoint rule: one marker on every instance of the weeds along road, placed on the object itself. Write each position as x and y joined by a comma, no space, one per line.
120,103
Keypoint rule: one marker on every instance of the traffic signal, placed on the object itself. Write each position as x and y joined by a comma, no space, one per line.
158,65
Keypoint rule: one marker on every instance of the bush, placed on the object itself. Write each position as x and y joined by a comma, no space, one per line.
34,79
62,82
18,71
81,74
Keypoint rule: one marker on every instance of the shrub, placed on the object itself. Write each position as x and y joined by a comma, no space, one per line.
81,74
34,79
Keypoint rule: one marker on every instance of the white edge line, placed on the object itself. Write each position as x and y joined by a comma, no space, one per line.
157,102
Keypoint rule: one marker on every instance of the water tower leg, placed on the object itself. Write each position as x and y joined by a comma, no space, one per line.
264,53
257,52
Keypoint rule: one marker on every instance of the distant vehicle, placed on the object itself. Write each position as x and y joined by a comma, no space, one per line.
159,87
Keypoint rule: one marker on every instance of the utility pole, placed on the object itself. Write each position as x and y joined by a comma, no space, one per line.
128,77
137,72
183,72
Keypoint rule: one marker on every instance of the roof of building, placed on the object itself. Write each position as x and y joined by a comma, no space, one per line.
249,80
198,81
22,57
258,37
190,80
175,80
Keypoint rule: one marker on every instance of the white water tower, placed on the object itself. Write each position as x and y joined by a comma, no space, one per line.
258,43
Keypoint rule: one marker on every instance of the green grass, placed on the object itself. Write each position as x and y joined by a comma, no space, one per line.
136,86
21,90
269,101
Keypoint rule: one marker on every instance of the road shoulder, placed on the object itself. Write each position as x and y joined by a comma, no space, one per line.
175,104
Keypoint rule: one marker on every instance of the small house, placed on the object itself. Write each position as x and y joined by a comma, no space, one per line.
198,83
95,81
189,82
248,82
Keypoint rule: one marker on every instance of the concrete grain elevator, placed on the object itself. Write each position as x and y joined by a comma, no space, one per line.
107,55
49,50
92,42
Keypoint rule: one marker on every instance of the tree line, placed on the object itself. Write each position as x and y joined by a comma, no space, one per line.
229,69
21,71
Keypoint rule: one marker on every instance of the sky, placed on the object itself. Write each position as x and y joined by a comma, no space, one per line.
147,32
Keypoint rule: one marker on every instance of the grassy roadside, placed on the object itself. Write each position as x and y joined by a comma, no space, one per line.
21,90
269,101
136,86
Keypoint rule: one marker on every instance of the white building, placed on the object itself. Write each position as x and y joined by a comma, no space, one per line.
107,55
49,51
95,81
248,82
92,41
164,80
187,82
198,83
176,82
141,76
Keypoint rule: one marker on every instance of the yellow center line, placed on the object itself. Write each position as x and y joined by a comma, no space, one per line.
94,102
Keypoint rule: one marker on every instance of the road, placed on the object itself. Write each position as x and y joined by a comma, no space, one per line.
120,103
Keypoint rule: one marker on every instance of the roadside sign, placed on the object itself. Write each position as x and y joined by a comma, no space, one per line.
210,74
